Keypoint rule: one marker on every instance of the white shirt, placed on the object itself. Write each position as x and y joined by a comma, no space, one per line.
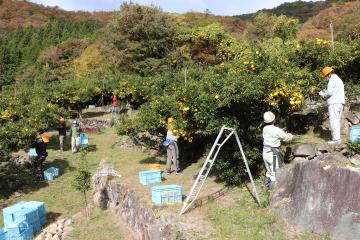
335,90
273,136
171,136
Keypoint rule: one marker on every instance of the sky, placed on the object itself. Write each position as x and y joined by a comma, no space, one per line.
218,7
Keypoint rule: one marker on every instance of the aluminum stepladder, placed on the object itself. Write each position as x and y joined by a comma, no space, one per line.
204,172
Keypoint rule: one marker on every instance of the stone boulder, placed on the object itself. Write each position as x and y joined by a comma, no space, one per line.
305,150
348,227
124,202
319,196
299,160
352,118
58,230
324,148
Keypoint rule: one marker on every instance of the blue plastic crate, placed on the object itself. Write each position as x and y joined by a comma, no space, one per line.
355,134
9,213
27,214
35,226
26,235
53,170
84,140
32,152
166,195
51,173
38,206
19,231
150,177
49,176
2,234
43,221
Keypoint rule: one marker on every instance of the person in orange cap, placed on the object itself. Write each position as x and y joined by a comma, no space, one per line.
335,96
62,132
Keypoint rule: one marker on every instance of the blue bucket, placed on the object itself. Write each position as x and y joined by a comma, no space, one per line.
84,140
355,134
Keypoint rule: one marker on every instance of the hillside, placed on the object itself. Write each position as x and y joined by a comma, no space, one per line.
300,10
23,13
344,16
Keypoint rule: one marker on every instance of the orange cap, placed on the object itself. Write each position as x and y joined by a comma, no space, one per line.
45,138
327,70
62,119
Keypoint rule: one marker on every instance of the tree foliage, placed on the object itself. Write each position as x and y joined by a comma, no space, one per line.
200,75
139,38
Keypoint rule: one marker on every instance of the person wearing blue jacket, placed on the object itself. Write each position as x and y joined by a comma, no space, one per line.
172,149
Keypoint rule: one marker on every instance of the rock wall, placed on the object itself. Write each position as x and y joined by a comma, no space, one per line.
58,230
111,194
319,196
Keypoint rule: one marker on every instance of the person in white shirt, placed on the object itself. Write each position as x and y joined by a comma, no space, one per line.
272,136
335,95
172,149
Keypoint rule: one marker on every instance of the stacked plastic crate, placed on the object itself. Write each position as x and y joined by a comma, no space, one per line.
51,173
166,194
19,230
2,234
161,195
150,177
22,220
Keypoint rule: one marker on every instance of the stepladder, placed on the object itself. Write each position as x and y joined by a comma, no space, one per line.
224,135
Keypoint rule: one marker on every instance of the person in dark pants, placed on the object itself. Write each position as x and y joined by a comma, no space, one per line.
62,133
40,148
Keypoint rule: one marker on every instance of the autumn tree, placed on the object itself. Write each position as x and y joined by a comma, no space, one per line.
139,38
285,28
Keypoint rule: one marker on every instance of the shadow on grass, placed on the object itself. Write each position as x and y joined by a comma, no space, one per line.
62,164
52,217
90,148
15,178
94,114
209,198
150,160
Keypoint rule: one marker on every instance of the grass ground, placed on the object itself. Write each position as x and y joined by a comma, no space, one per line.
229,214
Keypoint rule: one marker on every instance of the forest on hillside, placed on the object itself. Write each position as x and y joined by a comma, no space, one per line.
188,67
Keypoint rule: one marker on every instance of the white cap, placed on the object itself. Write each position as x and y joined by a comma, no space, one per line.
74,122
269,117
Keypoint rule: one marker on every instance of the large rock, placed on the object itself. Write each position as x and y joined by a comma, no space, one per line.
348,227
124,202
317,196
305,150
351,117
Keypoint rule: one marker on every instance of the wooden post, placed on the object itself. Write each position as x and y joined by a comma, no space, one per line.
332,35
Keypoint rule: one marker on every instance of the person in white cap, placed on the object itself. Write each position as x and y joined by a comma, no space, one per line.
273,136
75,137
335,95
